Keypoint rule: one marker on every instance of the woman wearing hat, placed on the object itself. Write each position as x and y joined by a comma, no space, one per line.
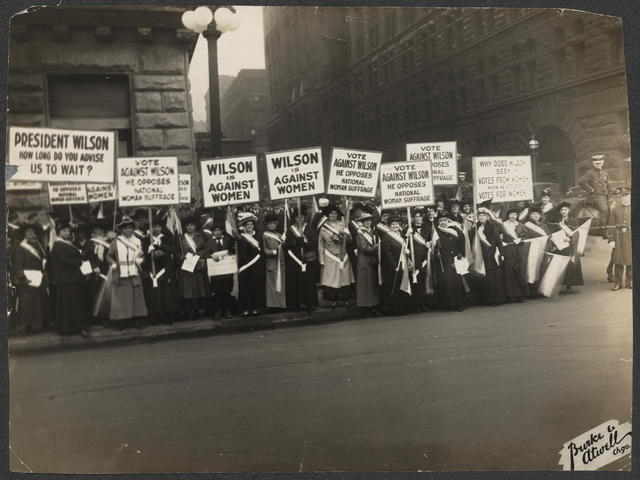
95,250
569,224
193,285
450,245
492,283
336,273
421,245
275,291
70,285
395,269
367,287
301,262
251,269
125,257
534,228
161,295
28,267
512,233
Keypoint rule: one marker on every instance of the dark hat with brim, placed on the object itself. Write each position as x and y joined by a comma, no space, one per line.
332,208
442,215
37,229
190,219
562,205
535,208
271,217
365,216
395,219
511,210
246,218
125,222
62,224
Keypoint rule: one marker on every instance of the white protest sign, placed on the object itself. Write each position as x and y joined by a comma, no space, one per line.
147,181
101,192
184,179
19,185
295,173
229,181
443,157
503,179
227,265
406,184
354,172
67,193
47,154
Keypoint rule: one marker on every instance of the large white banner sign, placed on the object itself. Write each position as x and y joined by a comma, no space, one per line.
229,181
101,192
147,181
443,157
354,172
295,173
503,179
52,155
67,193
406,184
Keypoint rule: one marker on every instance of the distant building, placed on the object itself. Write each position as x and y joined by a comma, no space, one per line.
223,82
490,78
104,68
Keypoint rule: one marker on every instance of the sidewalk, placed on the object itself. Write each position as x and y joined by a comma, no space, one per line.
41,342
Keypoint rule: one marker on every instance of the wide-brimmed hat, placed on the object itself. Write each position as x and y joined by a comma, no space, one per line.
271,217
511,210
190,219
365,216
535,208
62,224
562,205
246,217
125,221
332,208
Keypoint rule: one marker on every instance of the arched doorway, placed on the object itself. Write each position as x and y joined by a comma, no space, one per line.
556,157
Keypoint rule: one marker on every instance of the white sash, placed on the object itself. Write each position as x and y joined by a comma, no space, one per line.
128,267
547,207
252,241
156,278
420,239
303,266
482,236
331,229
536,228
450,231
396,236
191,243
99,241
61,240
383,228
24,244
566,228
273,236
366,236
248,264
298,233
342,263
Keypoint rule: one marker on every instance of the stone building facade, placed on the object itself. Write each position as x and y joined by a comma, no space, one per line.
104,68
488,78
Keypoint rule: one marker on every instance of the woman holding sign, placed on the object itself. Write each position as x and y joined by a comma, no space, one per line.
70,285
450,247
30,279
569,224
490,248
367,287
274,263
125,256
301,263
250,267
193,280
396,266
337,275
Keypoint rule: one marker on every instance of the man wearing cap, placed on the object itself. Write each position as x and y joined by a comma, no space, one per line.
619,235
219,246
595,182
465,189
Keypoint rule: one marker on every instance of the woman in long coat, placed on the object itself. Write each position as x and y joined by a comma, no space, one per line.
193,286
33,300
301,264
573,273
395,269
251,270
534,228
70,284
450,290
367,287
420,271
492,283
161,296
95,251
336,273
515,285
125,257
275,289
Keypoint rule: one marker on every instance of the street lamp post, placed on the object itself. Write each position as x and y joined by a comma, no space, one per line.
212,23
534,145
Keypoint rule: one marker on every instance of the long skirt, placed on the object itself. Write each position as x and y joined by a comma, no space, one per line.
395,300
71,308
573,276
275,298
367,288
450,291
335,277
127,299
33,306
162,299
193,285
492,287
251,288
514,284
301,286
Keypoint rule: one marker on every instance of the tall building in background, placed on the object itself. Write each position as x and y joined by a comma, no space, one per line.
245,108
203,125
490,78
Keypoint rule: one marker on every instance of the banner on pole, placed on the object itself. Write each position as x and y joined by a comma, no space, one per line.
101,192
13,185
295,173
147,181
67,193
443,157
184,179
53,155
229,181
354,172
503,179
406,184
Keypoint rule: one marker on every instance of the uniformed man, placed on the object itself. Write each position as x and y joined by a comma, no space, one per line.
619,235
595,182
465,189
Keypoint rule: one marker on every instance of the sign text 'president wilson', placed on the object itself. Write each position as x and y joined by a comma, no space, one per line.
229,181
295,173
406,184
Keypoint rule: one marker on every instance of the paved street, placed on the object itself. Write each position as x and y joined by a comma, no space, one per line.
489,388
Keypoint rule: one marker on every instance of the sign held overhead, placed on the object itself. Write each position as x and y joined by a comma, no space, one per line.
229,181
406,184
67,193
185,187
354,172
53,155
295,173
101,192
503,179
443,157
147,181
